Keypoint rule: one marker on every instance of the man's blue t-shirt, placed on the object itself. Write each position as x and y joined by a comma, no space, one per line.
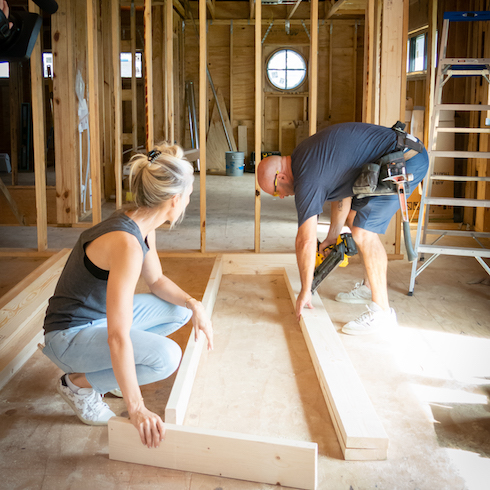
326,165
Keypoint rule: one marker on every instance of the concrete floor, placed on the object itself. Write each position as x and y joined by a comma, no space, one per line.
428,379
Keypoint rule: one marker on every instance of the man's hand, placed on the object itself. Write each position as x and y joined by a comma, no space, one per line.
304,299
325,244
149,425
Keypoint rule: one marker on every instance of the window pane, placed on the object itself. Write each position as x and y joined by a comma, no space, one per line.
126,65
278,78
419,52
295,78
48,65
4,69
294,61
278,60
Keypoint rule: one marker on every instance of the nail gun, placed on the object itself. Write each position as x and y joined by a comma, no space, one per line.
338,256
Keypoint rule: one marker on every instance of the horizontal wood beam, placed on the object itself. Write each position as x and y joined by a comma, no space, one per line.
219,453
22,311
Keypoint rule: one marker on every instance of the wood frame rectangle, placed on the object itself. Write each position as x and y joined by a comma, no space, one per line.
360,433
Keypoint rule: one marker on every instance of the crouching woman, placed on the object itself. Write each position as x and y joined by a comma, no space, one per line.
102,335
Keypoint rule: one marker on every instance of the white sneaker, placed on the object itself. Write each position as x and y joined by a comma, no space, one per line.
87,404
372,320
360,295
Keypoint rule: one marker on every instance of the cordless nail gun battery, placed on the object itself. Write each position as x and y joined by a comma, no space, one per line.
344,248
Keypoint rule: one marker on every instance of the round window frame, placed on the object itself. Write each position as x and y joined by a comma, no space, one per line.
275,87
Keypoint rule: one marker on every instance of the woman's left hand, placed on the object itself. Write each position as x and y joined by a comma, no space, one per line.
200,321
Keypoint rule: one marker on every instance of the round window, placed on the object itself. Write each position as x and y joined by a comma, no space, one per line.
286,69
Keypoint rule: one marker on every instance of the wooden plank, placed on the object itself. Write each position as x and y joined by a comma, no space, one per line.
169,62
20,309
242,140
65,118
39,138
202,117
21,349
22,313
149,77
117,90
252,263
258,119
134,94
313,98
93,102
182,388
219,453
357,424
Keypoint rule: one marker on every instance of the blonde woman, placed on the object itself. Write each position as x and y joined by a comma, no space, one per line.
102,335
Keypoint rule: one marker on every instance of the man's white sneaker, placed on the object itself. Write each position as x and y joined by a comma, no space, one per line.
371,321
87,404
360,295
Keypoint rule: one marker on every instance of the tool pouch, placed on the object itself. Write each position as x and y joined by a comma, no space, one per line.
367,182
387,166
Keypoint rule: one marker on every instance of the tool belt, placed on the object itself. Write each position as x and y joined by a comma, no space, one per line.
372,180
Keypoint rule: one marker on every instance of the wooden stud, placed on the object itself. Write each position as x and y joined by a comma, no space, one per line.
39,139
219,453
258,118
202,117
65,112
117,90
134,91
93,102
169,63
313,98
150,134
181,390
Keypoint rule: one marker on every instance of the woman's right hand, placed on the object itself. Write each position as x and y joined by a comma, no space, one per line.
150,426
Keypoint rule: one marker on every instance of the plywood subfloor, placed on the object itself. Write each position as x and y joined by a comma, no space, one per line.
429,381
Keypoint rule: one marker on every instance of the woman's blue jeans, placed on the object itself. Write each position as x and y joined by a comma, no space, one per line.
85,349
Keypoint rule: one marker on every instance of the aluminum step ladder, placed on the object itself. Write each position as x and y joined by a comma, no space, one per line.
447,68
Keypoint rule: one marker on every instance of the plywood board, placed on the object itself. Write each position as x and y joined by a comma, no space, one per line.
253,458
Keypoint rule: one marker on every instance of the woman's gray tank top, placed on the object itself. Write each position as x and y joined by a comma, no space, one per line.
80,295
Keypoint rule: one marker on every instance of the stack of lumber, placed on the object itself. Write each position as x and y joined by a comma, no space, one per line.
22,312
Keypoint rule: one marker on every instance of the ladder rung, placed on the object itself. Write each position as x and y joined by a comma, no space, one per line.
460,154
460,178
462,130
465,61
470,234
461,107
457,201
467,252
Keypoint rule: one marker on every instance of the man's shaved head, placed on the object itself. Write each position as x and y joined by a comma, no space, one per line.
267,172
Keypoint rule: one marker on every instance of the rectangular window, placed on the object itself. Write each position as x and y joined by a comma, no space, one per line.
4,69
126,65
417,53
48,65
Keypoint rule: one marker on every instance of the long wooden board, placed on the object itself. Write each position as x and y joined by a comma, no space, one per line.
182,388
22,311
355,420
220,453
